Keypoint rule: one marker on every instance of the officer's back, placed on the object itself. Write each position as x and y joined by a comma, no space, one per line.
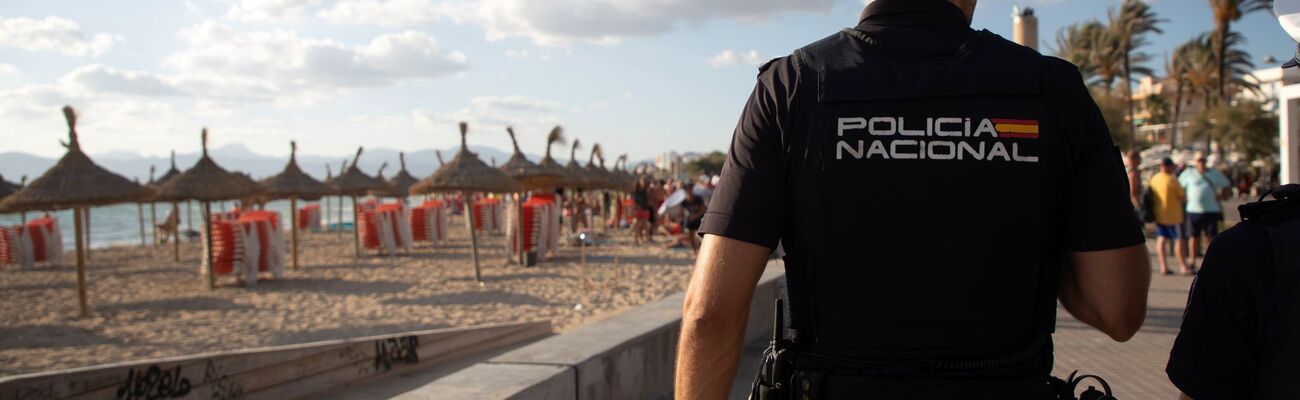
1240,336
928,183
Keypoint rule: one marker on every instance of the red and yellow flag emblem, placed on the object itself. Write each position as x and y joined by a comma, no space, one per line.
1016,128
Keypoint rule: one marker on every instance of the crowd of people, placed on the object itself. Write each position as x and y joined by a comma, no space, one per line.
679,221
1186,203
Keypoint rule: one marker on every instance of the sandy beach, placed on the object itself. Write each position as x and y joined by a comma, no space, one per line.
147,306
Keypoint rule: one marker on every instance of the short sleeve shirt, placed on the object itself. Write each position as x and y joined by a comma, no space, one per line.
1168,199
1202,189
1222,349
751,198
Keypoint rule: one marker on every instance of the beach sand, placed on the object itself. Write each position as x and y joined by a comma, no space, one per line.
147,306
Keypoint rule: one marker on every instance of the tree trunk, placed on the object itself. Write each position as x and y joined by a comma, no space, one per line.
1209,134
1222,58
1128,100
1178,110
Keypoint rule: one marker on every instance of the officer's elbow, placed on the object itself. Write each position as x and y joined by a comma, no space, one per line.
1125,327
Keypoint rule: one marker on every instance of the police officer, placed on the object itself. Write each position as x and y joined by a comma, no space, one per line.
1240,337
936,189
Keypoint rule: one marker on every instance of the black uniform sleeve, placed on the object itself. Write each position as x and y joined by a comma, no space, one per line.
749,202
1098,214
1218,352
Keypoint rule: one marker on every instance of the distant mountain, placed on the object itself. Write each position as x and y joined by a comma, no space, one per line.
237,157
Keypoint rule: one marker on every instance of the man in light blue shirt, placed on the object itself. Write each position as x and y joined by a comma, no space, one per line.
1202,185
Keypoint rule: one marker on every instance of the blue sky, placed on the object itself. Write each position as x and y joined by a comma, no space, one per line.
639,76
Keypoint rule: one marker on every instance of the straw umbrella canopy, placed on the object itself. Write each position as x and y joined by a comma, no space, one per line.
292,182
400,184
598,175
75,182
549,164
579,178
207,182
527,173
620,168
466,173
7,188
167,176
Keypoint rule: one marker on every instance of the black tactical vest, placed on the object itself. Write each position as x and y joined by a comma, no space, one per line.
925,203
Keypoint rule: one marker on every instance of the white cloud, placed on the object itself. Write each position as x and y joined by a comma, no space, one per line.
728,58
515,103
53,33
268,10
517,53
100,78
561,22
222,62
385,12
9,70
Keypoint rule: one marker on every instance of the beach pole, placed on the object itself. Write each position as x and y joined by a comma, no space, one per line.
473,237
140,207
356,227
176,232
81,262
85,214
519,204
327,213
189,218
207,254
293,230
153,221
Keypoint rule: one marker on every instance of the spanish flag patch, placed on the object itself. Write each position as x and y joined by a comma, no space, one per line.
1016,128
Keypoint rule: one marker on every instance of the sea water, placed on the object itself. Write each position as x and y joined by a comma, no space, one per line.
119,224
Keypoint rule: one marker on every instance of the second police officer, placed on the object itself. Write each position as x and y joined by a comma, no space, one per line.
936,189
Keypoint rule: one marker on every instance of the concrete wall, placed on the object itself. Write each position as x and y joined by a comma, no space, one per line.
628,356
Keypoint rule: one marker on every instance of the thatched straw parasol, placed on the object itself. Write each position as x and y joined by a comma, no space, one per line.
466,173
7,188
620,169
293,184
579,178
597,174
207,182
167,176
352,182
75,182
532,177
400,184
549,164
527,173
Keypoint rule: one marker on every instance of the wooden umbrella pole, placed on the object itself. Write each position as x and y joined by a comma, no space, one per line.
207,253
140,207
153,221
356,227
81,263
189,217
176,232
85,213
473,237
327,213
340,221
293,230
519,207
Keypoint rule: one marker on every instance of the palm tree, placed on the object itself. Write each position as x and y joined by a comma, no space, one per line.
1128,29
1090,46
1178,71
1202,65
1225,13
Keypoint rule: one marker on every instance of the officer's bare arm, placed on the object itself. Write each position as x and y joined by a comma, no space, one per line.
714,316
1108,289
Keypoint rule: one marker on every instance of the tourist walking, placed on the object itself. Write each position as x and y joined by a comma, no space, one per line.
1204,186
1168,199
